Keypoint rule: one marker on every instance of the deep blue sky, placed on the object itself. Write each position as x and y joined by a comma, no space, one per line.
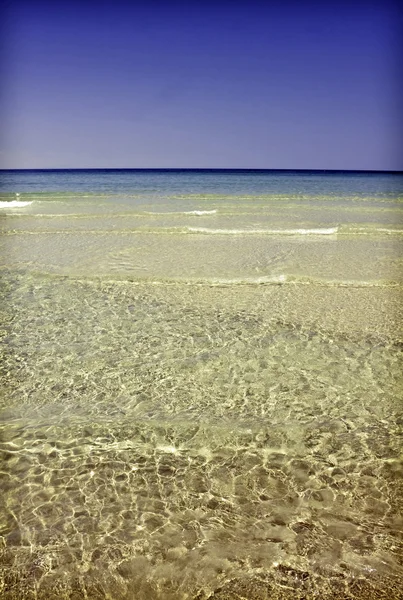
169,84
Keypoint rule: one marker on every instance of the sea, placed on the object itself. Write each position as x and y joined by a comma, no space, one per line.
201,385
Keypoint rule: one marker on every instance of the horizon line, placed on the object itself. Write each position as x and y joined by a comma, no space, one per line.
209,169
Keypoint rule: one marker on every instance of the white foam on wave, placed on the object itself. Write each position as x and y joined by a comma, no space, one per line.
14,204
200,212
318,231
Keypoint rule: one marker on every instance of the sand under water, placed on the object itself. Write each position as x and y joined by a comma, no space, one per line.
194,416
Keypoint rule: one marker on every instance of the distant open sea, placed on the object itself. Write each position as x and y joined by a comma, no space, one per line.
201,385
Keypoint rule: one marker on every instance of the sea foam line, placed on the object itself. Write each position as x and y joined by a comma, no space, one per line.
323,231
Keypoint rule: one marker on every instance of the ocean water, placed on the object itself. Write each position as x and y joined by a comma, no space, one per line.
201,385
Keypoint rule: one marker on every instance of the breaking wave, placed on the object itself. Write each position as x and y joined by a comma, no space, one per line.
14,204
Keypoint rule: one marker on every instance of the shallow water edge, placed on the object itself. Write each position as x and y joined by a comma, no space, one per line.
197,441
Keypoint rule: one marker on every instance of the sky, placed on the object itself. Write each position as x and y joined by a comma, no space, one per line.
168,84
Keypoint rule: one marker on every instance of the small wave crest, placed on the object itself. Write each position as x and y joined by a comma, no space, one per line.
372,230
251,280
269,280
14,204
197,213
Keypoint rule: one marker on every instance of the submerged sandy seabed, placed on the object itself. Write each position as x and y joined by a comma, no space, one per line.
195,441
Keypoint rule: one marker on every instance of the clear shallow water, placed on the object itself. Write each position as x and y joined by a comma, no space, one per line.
201,414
